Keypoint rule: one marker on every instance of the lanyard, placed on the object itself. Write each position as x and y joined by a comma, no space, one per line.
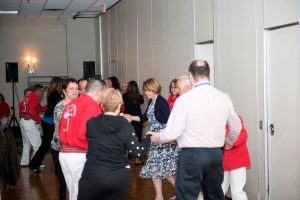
199,84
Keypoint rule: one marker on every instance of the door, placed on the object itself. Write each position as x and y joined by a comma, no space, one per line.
283,112
206,52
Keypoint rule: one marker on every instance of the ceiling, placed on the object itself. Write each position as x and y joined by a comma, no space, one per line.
56,8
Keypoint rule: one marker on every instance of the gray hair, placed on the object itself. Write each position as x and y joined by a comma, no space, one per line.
184,81
93,85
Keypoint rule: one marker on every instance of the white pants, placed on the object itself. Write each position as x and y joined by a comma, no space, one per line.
72,165
31,138
236,179
3,122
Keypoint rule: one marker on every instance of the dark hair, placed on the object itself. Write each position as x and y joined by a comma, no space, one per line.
173,81
2,96
115,82
67,81
82,79
56,84
37,87
27,90
197,68
133,92
102,82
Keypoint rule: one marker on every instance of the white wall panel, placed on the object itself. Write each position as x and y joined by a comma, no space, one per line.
181,48
121,40
280,12
203,20
145,62
131,40
113,56
105,46
160,42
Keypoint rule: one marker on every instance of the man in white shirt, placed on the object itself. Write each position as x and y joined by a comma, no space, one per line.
197,122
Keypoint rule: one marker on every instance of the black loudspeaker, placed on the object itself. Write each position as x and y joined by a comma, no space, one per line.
11,72
88,69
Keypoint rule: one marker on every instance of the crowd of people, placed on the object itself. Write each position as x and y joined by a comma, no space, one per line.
196,140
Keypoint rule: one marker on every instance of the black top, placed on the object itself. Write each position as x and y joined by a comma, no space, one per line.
132,107
161,110
109,138
52,99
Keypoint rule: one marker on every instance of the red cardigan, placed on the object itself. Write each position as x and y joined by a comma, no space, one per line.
171,101
72,125
238,155
4,109
32,106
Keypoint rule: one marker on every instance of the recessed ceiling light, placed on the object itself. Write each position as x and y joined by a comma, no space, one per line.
10,12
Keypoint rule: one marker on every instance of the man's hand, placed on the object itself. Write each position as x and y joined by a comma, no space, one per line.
227,145
154,137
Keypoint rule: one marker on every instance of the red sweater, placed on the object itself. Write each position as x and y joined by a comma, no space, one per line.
72,125
171,101
238,155
4,110
32,106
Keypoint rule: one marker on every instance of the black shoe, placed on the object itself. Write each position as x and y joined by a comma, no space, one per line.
23,166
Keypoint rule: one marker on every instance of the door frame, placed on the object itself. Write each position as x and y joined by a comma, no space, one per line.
266,114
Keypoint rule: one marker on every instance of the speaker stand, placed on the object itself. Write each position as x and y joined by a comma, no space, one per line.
13,120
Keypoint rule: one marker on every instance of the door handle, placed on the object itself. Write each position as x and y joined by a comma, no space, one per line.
272,129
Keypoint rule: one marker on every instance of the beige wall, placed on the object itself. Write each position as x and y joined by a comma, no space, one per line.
148,38
59,46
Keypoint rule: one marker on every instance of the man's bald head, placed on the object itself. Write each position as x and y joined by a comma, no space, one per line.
183,84
199,69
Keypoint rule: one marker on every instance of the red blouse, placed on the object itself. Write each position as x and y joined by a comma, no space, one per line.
171,101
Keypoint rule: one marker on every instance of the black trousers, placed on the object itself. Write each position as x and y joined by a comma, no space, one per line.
62,182
96,184
48,130
200,169
138,128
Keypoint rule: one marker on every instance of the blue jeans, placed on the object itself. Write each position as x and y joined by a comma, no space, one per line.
200,169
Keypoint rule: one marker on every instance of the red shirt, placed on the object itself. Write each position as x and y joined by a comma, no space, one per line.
171,101
32,106
72,125
21,109
4,109
238,155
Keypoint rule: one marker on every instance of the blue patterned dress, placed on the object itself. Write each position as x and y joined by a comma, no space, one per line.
163,158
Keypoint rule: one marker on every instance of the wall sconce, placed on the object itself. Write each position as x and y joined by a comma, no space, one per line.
30,64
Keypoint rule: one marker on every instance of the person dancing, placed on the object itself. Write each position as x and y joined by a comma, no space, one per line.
163,158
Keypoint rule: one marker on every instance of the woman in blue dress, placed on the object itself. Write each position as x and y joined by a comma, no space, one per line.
163,158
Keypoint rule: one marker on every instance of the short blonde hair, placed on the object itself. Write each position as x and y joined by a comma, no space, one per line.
111,99
152,85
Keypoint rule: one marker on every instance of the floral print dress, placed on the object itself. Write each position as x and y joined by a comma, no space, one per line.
163,158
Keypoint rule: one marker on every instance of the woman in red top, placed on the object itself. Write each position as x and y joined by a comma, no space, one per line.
4,112
235,161
173,94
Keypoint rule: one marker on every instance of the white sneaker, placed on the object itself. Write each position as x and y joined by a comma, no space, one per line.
43,166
